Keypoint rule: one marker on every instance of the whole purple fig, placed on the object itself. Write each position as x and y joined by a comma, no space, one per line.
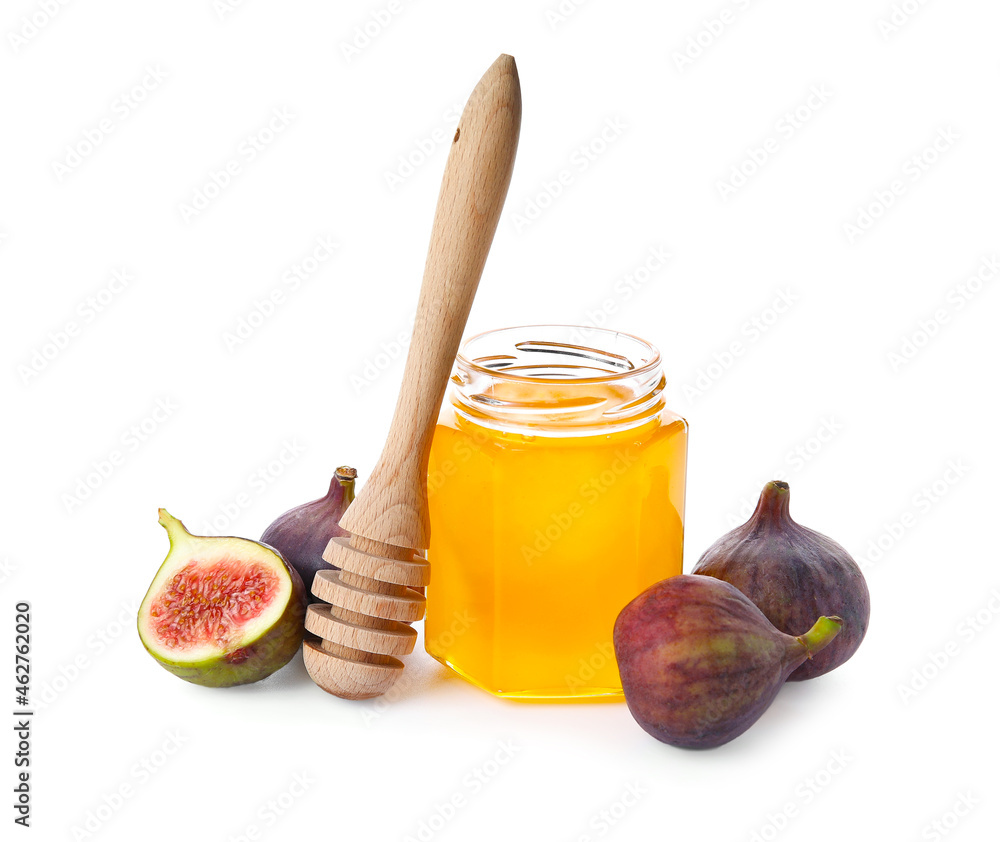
793,575
700,663
301,534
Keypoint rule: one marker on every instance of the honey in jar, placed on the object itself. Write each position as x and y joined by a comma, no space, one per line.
556,495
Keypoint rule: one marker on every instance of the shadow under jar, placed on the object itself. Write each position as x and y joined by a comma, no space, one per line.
556,495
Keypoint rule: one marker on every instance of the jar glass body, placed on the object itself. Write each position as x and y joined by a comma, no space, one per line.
556,495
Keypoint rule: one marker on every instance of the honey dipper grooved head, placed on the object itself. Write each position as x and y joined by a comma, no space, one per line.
364,628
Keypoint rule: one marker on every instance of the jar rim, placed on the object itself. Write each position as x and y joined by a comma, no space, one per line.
650,365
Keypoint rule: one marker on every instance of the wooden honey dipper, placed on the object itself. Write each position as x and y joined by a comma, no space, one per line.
364,629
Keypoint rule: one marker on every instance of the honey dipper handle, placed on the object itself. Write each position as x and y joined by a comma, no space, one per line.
392,506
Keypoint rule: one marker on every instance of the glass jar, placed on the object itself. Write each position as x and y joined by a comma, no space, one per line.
556,493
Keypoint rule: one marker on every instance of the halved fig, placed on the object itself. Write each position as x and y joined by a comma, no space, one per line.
221,611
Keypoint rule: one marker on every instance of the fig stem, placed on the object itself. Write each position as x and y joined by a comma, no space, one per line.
772,507
820,635
346,476
176,530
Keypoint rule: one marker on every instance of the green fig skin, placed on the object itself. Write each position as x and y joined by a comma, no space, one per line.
247,664
793,574
700,663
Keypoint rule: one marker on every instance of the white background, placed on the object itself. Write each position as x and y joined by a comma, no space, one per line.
890,448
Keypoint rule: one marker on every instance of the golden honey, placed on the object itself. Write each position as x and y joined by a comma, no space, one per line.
556,494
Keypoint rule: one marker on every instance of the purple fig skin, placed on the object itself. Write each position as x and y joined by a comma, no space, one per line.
301,534
700,663
793,574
